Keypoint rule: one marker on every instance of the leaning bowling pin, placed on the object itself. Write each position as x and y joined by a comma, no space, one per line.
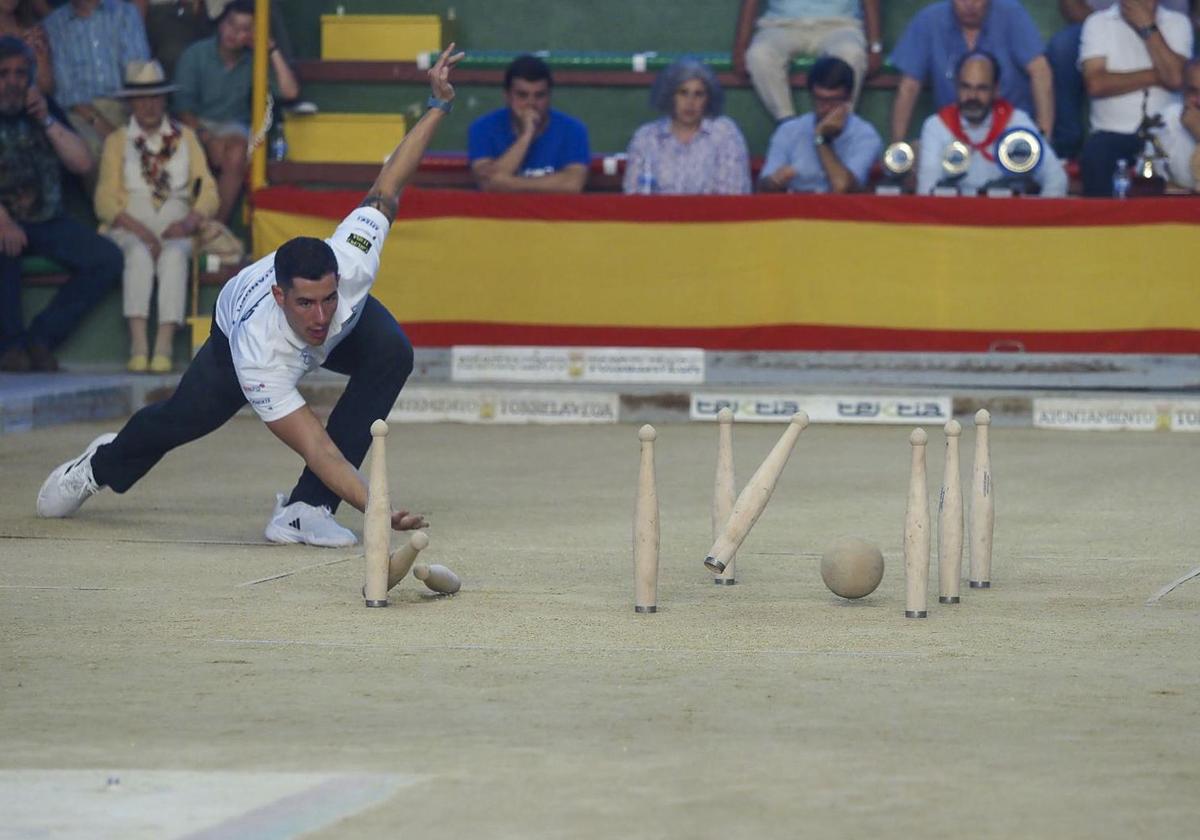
438,578
754,497
950,521
983,505
404,556
377,527
645,529
724,488
916,532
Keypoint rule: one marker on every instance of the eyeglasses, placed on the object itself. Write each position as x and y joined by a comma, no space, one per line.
829,100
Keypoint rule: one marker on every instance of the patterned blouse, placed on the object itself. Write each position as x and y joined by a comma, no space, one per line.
714,162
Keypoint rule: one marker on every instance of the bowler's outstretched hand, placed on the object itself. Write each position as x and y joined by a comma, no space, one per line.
439,73
402,520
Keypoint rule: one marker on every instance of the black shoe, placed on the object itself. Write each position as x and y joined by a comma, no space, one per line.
15,360
41,359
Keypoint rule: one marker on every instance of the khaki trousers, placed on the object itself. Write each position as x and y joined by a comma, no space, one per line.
141,268
777,42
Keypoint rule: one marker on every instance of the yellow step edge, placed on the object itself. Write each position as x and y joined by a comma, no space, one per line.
343,138
379,37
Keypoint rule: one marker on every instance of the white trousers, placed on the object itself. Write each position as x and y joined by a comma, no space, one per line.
777,42
171,267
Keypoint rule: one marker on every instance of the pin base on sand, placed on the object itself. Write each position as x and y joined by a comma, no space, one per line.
981,584
724,581
714,565
916,614
948,599
645,609
382,603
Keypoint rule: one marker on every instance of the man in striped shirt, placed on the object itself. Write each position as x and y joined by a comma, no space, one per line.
91,41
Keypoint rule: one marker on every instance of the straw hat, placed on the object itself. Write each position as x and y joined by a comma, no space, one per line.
145,78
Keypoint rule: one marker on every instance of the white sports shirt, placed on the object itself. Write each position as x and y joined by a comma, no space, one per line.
269,357
1106,35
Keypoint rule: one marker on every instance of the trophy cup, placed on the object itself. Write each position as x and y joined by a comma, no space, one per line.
1150,169
1018,154
956,160
898,160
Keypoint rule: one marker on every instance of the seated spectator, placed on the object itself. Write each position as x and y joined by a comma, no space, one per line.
979,118
1063,55
172,26
847,29
215,77
527,146
939,35
35,141
1181,131
831,149
693,149
1132,57
91,41
154,191
18,17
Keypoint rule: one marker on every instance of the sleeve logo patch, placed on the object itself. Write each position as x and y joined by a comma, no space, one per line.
360,242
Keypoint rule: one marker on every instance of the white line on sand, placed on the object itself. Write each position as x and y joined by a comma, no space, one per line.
1157,596
296,571
607,649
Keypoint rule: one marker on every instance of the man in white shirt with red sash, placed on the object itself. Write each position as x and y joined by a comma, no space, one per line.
305,306
979,119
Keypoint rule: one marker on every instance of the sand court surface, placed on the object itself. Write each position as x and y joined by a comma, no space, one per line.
238,689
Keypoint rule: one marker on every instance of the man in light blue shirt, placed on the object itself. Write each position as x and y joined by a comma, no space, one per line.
848,29
831,149
939,36
91,41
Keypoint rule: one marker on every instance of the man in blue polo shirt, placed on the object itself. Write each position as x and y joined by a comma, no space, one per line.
942,33
527,146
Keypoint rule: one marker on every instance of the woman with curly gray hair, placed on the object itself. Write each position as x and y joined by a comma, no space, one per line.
691,149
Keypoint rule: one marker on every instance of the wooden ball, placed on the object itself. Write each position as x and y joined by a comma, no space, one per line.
852,567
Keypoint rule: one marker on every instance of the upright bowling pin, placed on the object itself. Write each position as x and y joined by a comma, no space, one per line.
754,497
916,532
950,521
983,505
438,578
377,527
404,556
645,529
724,488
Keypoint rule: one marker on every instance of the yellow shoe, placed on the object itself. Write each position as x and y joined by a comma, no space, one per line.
137,363
160,364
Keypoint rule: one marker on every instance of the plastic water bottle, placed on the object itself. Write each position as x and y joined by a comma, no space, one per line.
279,148
645,183
1121,179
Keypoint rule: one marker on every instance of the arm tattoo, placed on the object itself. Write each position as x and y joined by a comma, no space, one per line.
385,205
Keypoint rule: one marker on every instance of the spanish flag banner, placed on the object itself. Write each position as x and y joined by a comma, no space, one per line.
778,272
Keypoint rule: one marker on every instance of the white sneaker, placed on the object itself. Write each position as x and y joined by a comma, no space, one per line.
300,522
72,484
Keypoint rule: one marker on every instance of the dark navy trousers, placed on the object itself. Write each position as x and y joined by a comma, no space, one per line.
376,355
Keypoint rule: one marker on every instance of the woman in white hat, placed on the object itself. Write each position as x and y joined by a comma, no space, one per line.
154,191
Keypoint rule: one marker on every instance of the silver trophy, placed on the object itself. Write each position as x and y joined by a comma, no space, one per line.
898,160
956,160
1019,153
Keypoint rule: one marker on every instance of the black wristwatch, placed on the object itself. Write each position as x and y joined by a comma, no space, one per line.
820,139
1146,31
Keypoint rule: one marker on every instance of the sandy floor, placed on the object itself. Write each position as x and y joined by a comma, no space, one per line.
536,704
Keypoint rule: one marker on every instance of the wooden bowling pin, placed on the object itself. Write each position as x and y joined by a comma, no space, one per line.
916,532
754,497
724,488
377,527
404,556
438,578
983,505
950,521
645,529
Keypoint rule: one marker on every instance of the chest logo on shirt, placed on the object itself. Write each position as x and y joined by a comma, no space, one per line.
360,242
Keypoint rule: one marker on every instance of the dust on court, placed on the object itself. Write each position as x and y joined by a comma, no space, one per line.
536,704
